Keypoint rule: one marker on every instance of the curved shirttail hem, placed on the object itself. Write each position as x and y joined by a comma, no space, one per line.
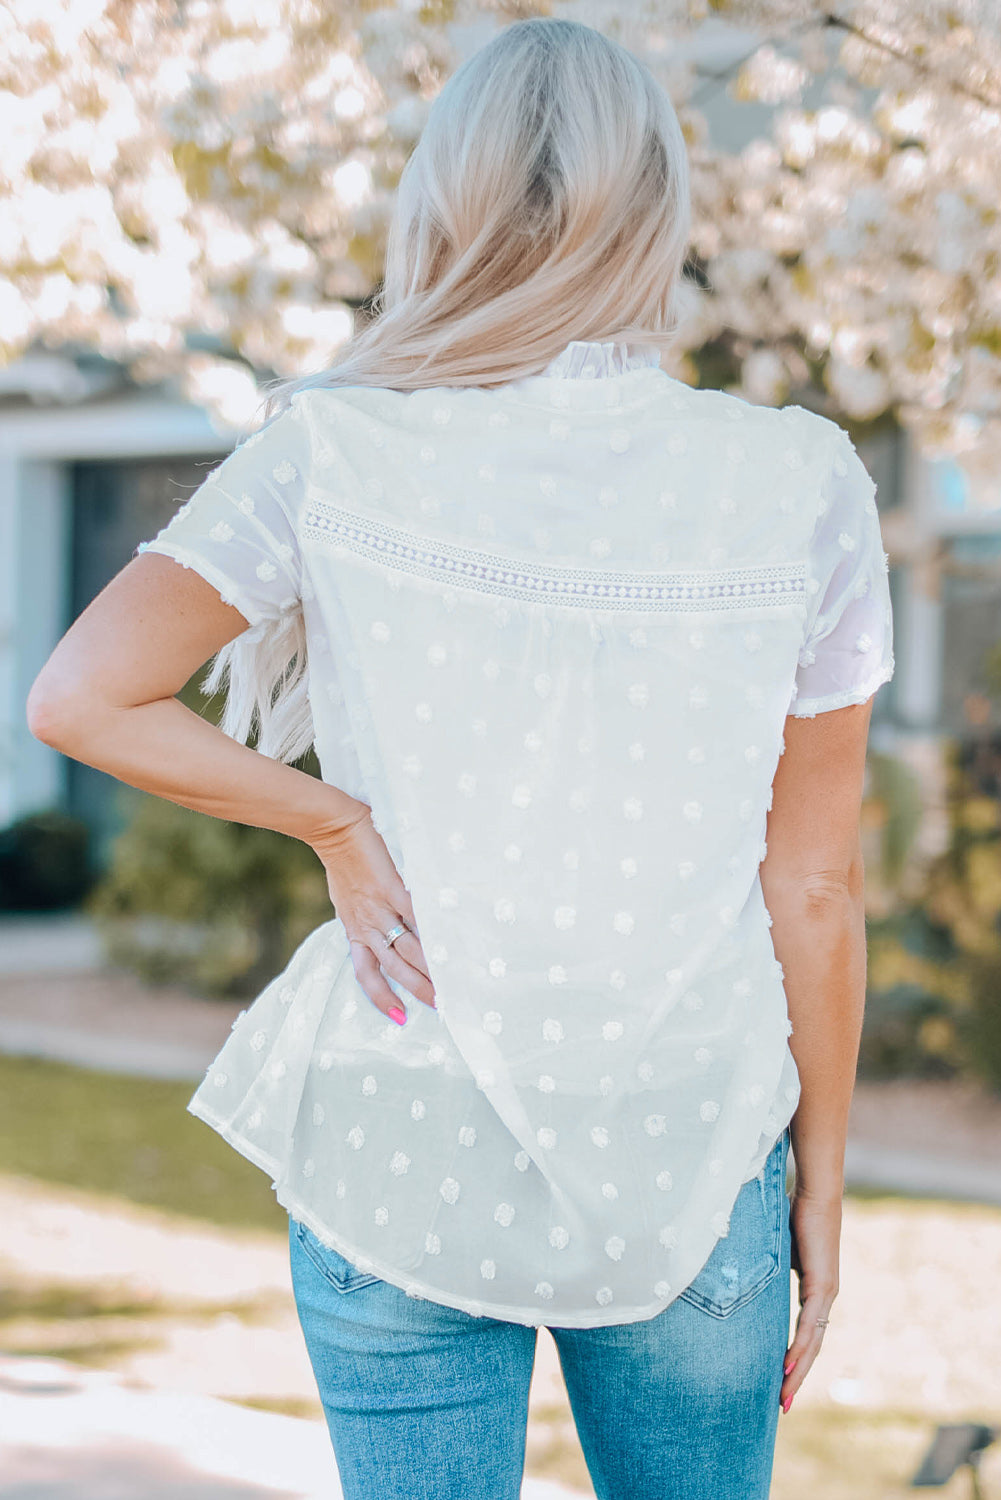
810,707
505,1312
230,592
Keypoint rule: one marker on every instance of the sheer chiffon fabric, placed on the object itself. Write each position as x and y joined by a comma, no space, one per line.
555,629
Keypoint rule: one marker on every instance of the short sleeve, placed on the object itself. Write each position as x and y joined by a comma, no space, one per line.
847,650
238,530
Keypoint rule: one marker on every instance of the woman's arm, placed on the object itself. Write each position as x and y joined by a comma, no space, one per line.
106,697
812,881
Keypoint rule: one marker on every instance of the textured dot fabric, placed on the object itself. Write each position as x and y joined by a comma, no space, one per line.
555,628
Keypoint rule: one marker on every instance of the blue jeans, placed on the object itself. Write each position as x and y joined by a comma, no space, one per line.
425,1402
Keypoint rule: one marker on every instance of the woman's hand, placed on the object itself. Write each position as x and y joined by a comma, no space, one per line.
369,897
816,1237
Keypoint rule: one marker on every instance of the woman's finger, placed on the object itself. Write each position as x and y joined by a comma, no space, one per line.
397,966
407,912
805,1345
373,982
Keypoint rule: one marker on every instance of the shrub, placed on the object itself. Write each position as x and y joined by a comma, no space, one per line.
45,862
214,906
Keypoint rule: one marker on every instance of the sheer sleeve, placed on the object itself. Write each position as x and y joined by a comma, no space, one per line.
238,530
847,650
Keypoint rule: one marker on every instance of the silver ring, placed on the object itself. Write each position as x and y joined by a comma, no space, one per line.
389,938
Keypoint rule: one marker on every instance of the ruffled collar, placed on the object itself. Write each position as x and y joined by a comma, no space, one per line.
590,359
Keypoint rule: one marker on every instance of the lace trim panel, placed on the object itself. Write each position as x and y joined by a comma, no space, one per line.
488,573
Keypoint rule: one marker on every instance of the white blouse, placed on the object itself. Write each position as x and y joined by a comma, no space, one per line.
554,631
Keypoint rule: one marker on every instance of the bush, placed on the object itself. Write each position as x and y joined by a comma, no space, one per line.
214,906
45,862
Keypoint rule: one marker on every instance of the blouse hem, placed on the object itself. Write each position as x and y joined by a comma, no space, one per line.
479,1307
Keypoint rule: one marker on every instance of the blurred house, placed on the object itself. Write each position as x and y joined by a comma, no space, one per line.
91,464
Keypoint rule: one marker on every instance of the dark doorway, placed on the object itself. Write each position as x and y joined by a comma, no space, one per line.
117,505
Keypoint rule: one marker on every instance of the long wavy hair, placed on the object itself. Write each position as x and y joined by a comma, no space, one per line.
547,199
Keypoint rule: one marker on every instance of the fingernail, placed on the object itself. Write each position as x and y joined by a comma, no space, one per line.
787,1403
397,1014
790,1366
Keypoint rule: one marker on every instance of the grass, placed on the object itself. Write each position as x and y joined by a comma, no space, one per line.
131,1137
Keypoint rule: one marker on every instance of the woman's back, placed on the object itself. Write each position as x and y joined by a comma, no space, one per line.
554,630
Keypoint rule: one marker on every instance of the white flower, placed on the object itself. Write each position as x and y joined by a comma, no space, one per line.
546,1137
488,1270
543,1289
600,1136
604,1295
664,1181
504,1214
493,1022
284,472
467,1135
356,1137
552,1030
399,1163
559,1237
564,917
624,922
504,909
609,1191
614,1247
369,1084
612,1030
432,1243
655,1124
709,1110
221,532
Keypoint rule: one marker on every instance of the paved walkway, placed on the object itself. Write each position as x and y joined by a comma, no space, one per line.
72,1434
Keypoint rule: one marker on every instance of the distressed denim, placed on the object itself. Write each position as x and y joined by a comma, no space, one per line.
426,1402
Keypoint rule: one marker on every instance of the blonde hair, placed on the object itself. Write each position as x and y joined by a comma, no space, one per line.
547,199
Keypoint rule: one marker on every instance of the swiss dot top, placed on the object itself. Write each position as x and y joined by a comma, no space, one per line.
554,631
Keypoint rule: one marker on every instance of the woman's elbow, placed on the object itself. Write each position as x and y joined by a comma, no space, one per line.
56,713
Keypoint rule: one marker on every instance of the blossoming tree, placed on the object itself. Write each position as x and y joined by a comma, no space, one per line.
201,189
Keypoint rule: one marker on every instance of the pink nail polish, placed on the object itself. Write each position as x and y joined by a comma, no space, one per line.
397,1014
790,1366
787,1403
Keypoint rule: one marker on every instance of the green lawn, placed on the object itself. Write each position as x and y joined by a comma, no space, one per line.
131,1137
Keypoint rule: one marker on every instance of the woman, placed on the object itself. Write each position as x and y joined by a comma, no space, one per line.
570,638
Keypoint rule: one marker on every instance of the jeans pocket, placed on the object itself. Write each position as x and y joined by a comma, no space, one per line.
342,1275
746,1259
